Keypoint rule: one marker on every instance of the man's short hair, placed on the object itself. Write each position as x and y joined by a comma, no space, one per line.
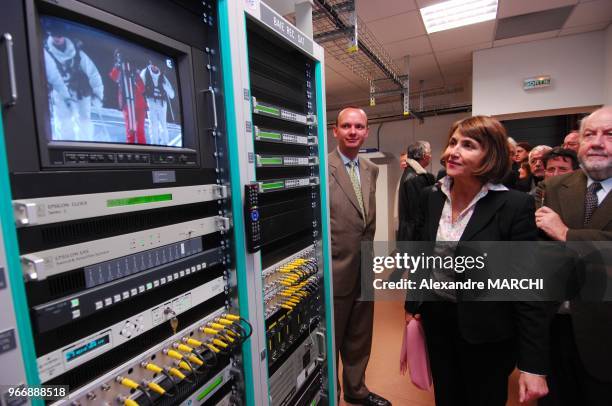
539,148
350,107
559,152
418,150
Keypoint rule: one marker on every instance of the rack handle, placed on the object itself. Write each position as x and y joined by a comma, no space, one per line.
8,38
323,346
214,104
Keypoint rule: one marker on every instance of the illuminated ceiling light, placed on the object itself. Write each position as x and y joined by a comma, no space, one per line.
457,13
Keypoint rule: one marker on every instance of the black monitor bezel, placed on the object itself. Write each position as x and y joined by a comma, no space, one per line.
90,16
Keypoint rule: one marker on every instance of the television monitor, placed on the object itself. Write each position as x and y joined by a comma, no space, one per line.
102,88
110,93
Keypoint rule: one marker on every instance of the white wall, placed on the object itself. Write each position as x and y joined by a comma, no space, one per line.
608,81
395,136
576,64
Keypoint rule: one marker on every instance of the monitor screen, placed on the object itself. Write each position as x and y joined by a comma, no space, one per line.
105,89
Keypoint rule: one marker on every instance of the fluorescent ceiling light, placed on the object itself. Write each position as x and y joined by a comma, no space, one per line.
457,13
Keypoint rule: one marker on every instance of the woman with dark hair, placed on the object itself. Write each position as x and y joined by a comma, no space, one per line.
473,347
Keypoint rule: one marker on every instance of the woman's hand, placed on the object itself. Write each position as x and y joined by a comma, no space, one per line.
531,387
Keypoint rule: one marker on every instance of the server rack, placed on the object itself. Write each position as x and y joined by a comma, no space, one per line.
14,330
278,156
117,260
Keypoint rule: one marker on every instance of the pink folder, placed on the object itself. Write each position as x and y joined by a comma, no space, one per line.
414,355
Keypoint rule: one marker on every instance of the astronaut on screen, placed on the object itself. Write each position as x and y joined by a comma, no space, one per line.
158,92
74,85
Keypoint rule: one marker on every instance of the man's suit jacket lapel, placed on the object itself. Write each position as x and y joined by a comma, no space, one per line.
571,200
341,175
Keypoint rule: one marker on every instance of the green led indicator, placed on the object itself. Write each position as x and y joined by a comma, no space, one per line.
273,185
271,161
210,388
130,201
269,135
266,109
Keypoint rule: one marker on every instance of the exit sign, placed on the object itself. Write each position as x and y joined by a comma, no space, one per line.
537,82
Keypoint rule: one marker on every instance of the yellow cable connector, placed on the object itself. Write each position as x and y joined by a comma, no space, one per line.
208,330
173,354
182,347
127,382
223,321
212,348
156,388
219,343
216,326
176,373
183,365
230,316
151,367
128,402
195,360
193,342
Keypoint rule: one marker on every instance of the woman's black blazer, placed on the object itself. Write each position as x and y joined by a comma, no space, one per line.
499,216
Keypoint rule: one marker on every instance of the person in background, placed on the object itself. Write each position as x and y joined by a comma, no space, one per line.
416,179
403,160
559,161
522,152
523,183
352,191
512,145
572,141
578,208
524,171
510,180
474,347
536,164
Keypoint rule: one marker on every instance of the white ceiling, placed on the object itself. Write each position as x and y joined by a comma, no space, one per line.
445,58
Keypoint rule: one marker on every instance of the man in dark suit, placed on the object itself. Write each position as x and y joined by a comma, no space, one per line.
352,190
582,331
414,179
